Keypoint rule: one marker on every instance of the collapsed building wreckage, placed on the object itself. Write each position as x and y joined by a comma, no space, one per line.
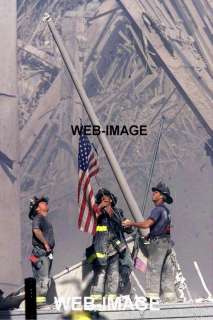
137,61
122,69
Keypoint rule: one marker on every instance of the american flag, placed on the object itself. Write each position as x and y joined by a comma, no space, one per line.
88,167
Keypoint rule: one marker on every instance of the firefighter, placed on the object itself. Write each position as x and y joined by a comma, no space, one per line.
43,243
160,275
109,253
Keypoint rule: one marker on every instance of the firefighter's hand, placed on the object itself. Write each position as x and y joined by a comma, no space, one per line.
47,247
127,223
104,203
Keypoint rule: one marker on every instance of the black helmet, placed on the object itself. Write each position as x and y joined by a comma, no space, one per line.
104,192
164,190
34,202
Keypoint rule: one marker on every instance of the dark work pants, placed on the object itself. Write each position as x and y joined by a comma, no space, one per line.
106,279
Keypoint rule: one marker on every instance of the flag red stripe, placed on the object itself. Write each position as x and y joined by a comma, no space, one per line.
83,202
93,164
89,216
93,173
86,199
80,183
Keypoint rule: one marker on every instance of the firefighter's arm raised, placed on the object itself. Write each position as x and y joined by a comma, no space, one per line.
98,208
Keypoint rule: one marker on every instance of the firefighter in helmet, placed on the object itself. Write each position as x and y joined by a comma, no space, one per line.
109,253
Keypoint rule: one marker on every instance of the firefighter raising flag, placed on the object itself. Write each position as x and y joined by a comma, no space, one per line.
88,167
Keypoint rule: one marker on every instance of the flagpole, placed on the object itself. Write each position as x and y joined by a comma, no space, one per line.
202,279
96,176
153,164
130,200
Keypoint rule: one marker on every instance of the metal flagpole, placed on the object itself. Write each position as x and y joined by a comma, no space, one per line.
131,202
96,178
202,280
138,283
152,165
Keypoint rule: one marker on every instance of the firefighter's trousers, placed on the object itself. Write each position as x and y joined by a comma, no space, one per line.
160,275
41,272
106,279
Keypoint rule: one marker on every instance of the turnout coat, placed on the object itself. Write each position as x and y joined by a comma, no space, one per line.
109,240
